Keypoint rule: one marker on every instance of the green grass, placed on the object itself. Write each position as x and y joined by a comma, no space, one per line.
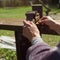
6,33
7,54
18,12
52,40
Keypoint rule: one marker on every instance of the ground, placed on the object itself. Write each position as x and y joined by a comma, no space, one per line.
55,16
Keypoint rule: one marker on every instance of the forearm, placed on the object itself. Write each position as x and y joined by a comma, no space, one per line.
56,27
53,24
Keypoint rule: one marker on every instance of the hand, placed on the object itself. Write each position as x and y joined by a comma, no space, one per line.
48,21
51,23
30,30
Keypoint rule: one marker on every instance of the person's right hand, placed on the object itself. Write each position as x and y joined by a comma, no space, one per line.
30,30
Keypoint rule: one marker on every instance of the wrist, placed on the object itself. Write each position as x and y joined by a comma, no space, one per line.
34,35
36,40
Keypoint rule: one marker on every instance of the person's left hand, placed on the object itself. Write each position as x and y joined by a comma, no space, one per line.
30,30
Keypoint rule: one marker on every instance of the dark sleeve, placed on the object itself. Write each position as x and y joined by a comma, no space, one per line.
54,53
37,51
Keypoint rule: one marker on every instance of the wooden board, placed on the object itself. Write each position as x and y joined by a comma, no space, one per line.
11,21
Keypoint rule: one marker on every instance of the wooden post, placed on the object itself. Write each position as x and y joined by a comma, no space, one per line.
22,45
38,8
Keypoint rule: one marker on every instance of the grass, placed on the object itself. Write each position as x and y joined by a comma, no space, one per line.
18,12
7,54
52,40
6,33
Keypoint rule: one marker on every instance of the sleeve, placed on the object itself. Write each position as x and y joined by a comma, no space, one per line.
54,53
37,51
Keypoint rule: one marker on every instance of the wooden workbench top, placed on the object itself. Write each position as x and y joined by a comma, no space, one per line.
11,24
11,21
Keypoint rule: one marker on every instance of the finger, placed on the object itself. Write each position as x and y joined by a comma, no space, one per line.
31,22
26,23
44,17
43,22
38,22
